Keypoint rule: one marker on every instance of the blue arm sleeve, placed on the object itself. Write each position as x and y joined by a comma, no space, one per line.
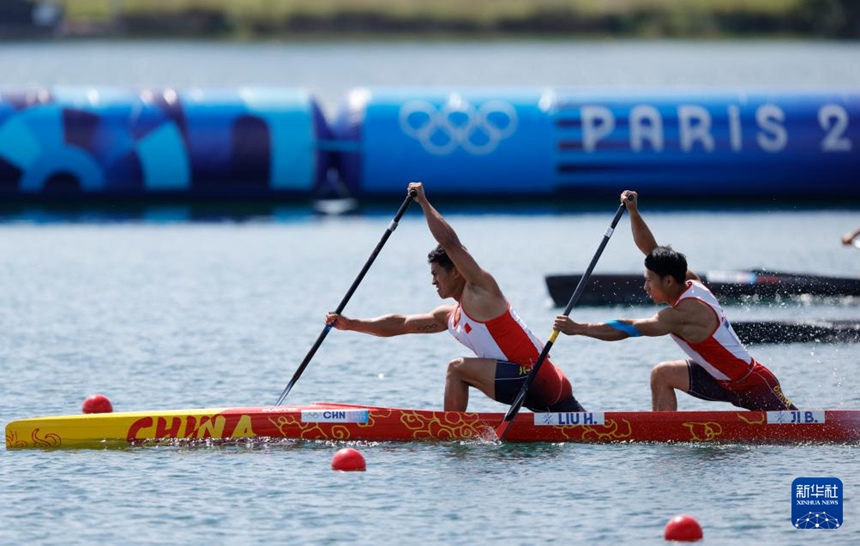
625,327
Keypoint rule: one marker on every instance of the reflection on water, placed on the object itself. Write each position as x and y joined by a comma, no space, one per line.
169,211
162,213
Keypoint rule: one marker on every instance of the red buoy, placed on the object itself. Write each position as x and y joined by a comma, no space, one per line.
683,528
97,403
348,459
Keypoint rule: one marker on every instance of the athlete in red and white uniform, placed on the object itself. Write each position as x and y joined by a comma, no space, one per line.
721,354
509,341
481,319
719,367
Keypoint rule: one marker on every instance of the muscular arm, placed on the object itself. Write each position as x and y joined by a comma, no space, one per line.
605,331
481,298
395,324
447,237
691,320
642,236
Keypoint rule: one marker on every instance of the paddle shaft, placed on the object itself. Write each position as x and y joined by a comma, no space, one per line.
391,227
502,429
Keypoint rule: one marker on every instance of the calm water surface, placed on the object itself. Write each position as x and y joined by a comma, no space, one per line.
167,315
162,314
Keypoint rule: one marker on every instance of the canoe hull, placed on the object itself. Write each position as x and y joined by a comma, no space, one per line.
341,422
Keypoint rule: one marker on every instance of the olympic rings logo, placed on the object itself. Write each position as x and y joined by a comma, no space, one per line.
458,124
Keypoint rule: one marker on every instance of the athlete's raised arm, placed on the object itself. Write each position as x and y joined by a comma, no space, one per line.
642,236
445,235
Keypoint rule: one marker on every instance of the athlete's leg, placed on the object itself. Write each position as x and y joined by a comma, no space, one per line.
760,390
665,378
468,372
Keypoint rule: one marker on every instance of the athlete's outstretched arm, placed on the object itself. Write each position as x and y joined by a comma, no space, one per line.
616,330
394,324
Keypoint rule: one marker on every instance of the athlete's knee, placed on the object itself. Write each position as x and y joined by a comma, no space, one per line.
659,373
455,367
667,374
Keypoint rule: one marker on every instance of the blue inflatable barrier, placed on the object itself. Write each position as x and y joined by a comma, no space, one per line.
574,143
503,144
246,142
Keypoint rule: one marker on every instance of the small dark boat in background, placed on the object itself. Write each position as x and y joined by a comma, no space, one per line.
747,286
798,331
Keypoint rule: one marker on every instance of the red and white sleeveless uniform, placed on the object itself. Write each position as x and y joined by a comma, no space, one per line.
721,354
508,339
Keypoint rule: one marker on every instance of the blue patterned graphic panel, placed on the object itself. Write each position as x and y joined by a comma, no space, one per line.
105,141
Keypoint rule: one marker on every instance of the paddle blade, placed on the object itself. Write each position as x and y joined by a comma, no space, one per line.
502,429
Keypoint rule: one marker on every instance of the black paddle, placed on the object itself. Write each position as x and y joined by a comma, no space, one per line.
391,227
502,429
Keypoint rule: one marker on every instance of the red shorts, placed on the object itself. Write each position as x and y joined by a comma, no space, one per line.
550,390
759,389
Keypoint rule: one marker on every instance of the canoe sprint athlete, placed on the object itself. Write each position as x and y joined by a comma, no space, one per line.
719,368
481,319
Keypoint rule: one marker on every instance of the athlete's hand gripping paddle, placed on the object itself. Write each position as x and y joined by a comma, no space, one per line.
391,227
502,429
